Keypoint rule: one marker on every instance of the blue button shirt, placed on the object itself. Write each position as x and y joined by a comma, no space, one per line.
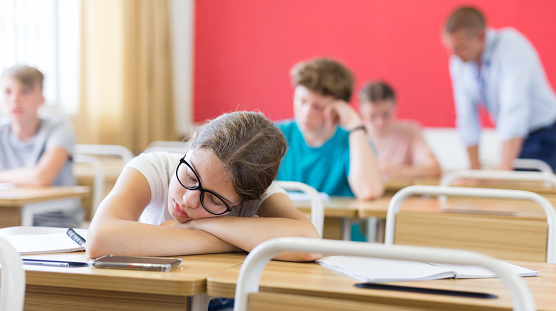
326,168
511,84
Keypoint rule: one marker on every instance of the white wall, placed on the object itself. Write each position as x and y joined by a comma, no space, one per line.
183,14
451,153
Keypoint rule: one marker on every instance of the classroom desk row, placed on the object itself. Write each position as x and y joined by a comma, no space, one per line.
317,282
475,217
540,187
57,288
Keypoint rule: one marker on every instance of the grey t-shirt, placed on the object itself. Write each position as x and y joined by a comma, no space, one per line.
16,153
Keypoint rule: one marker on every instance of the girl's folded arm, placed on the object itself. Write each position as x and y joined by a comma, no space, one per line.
278,217
115,230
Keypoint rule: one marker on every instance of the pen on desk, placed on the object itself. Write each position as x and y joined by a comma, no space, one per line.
54,263
76,237
422,290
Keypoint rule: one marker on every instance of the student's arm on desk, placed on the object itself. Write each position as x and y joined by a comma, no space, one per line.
277,217
43,174
115,230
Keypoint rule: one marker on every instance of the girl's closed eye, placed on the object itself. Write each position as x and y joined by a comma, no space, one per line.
191,176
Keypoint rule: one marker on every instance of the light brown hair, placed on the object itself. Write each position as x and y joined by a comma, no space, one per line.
376,91
250,147
26,75
467,18
324,76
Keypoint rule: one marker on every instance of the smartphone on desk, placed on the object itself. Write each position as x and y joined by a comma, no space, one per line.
136,263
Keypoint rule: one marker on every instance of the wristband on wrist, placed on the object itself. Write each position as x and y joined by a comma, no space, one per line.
357,128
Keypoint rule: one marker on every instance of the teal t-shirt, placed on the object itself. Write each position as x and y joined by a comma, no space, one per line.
326,168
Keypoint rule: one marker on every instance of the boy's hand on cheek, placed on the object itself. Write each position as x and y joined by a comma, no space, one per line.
341,113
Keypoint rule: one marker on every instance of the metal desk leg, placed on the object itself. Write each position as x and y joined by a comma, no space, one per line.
200,302
375,229
347,223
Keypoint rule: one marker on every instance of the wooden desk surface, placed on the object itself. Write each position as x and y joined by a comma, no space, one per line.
60,288
63,288
310,279
392,186
189,279
351,207
344,207
16,197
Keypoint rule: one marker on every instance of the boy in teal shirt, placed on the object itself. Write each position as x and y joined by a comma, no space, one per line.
328,147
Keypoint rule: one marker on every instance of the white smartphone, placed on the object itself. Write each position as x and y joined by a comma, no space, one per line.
136,263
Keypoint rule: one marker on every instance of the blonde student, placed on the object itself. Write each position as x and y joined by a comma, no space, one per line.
402,149
216,197
36,151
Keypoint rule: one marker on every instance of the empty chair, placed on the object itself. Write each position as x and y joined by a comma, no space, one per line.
12,286
116,150
488,235
251,270
98,179
168,146
449,178
532,164
317,206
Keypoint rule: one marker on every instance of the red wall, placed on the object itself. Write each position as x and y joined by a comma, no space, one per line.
244,49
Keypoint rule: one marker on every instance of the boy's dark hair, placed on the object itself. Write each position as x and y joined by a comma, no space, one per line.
324,76
26,75
376,91
468,18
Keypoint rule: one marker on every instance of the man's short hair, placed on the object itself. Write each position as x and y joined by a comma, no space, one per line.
26,75
324,76
467,18
376,91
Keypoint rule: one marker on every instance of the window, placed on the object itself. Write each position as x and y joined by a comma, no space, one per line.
44,34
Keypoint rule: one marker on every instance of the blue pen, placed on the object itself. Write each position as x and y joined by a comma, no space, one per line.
54,263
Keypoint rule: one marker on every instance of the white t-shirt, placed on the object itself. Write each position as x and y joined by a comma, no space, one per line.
159,168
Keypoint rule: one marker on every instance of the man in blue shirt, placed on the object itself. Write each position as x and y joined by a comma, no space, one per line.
500,70
328,148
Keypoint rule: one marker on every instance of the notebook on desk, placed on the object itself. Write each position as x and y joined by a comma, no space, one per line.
28,244
5,185
368,269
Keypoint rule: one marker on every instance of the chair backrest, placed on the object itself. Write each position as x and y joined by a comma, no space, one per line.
12,286
169,146
400,196
317,205
449,177
93,149
250,273
532,164
98,180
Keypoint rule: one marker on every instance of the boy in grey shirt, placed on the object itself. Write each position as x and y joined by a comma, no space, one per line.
35,151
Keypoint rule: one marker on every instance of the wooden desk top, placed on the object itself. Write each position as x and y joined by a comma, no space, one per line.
350,207
188,280
539,187
310,279
335,207
16,197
